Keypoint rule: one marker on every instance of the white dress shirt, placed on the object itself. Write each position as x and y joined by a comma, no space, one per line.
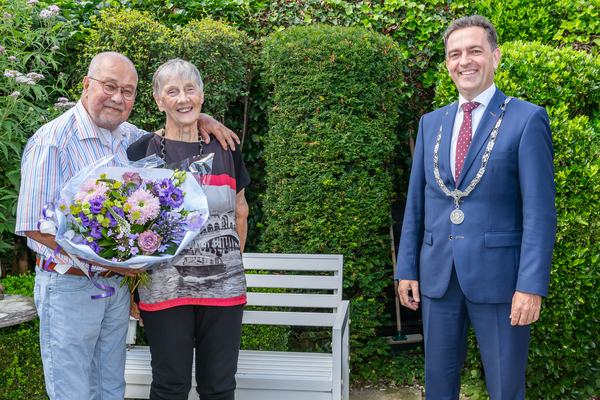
484,99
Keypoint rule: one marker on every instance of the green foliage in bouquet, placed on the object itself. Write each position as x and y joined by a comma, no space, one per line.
564,359
336,94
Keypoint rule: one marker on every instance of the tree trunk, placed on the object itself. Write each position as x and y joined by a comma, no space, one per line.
21,264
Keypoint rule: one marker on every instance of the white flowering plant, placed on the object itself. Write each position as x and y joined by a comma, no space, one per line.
32,91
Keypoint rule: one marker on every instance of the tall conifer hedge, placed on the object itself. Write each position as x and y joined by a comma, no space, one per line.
335,94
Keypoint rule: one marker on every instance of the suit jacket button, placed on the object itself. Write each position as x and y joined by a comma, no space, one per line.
450,237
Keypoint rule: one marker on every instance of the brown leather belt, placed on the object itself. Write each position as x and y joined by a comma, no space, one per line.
71,271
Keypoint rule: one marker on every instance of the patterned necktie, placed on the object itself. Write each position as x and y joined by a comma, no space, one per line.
464,137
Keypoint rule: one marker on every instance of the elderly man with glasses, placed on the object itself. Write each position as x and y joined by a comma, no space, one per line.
82,340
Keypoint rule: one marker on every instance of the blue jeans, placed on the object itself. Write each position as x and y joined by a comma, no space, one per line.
82,341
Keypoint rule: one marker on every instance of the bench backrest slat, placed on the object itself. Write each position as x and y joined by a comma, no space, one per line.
292,281
292,300
289,318
293,262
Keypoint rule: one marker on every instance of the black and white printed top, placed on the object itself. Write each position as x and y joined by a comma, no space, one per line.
209,271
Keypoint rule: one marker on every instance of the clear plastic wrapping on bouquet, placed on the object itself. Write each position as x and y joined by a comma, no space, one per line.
124,188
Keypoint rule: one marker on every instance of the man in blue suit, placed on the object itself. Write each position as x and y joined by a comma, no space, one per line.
480,221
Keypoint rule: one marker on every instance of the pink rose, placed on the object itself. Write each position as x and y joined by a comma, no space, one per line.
132,177
149,242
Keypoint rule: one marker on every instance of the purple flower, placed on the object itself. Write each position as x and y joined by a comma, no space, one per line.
61,74
96,205
134,251
54,48
96,232
7,15
149,242
85,220
121,249
2,50
175,199
46,14
32,2
195,221
62,99
12,58
94,246
162,248
62,204
15,94
130,177
54,9
109,232
163,189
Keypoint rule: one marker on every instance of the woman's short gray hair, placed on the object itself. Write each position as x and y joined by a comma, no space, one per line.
182,70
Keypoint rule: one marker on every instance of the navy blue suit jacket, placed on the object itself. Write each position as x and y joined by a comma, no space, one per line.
506,240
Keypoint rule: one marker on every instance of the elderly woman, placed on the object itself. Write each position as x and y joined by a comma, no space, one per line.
196,301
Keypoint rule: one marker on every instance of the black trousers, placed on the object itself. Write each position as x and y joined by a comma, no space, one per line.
215,333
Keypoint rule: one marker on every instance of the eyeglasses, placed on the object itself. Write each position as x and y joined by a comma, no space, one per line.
110,88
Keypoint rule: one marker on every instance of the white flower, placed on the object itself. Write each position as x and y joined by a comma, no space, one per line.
15,94
53,9
46,14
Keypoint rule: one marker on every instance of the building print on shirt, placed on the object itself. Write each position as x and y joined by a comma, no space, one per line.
206,256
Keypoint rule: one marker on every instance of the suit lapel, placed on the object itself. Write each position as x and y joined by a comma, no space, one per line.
492,113
444,151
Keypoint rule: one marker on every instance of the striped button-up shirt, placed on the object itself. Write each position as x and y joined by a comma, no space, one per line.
58,151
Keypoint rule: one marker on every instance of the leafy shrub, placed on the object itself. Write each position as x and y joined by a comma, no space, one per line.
218,51
31,40
543,75
562,22
335,96
21,372
564,359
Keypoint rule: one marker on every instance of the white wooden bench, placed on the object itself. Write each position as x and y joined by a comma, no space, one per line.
279,375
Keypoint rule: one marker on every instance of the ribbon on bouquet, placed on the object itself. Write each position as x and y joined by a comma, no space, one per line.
109,289
46,225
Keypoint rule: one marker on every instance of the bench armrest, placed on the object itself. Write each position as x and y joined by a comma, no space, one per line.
341,351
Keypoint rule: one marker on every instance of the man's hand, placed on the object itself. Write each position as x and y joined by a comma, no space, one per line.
407,301
122,271
225,136
525,308
134,311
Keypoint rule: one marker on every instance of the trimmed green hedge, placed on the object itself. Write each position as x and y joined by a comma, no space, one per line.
564,360
328,151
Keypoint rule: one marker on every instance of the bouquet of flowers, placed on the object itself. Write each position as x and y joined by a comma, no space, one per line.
129,217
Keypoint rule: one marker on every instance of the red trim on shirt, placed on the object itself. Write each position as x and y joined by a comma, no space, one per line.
219,180
187,301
